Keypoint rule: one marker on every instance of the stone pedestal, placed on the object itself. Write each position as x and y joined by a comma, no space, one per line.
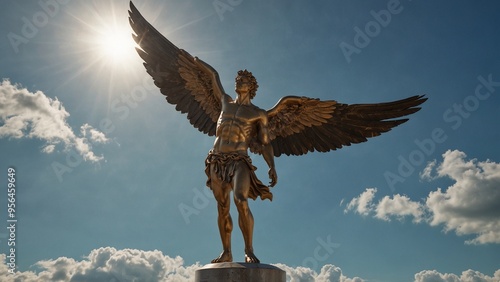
239,272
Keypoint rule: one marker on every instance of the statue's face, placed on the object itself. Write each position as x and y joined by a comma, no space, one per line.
243,84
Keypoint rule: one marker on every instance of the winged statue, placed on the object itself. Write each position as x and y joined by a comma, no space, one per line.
294,126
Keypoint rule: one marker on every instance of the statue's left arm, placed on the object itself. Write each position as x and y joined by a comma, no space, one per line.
267,148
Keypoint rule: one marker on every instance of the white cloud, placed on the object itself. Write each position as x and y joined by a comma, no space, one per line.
34,115
427,172
467,276
363,203
399,206
112,265
49,149
469,207
298,274
328,273
332,273
108,264
471,204
94,134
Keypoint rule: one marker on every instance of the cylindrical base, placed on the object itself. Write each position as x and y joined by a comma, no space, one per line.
239,272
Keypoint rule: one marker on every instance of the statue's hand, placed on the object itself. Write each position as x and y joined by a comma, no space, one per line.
273,176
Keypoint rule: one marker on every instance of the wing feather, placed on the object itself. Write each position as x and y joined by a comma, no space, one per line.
298,125
176,73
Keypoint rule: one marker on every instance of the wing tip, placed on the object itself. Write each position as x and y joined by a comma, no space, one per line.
132,7
134,16
421,98
417,100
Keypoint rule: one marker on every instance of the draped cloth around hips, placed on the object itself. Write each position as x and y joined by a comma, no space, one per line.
224,166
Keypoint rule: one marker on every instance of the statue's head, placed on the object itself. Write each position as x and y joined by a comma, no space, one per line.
251,79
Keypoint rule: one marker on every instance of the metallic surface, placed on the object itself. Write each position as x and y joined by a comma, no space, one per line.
294,126
239,272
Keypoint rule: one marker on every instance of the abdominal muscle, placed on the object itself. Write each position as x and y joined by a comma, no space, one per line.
232,135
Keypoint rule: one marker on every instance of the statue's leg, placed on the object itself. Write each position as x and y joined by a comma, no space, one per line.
241,187
222,192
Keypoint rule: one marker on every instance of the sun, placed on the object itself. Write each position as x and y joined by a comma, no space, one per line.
101,48
115,45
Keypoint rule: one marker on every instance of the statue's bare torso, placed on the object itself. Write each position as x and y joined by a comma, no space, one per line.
316,125
237,124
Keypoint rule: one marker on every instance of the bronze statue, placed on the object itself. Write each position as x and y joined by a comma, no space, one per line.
294,126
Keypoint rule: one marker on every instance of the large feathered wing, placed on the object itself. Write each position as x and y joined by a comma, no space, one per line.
179,77
298,125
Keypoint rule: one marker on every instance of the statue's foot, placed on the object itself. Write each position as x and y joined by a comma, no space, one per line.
225,256
251,258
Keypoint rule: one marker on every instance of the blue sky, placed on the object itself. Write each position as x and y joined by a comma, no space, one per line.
102,160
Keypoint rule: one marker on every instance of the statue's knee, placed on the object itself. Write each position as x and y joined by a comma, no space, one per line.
239,198
223,207
242,205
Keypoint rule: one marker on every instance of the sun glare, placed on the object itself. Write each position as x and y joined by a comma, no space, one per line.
100,47
116,45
